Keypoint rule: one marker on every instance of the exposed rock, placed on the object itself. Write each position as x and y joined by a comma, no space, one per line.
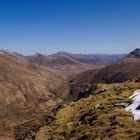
122,104
84,92
97,106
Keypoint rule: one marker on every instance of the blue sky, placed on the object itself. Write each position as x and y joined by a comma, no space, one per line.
77,26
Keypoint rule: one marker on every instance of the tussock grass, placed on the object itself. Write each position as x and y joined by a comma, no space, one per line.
82,120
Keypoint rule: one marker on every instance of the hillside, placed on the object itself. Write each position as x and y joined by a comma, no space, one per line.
123,70
26,91
102,115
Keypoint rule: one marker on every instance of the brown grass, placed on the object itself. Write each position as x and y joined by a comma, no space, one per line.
81,120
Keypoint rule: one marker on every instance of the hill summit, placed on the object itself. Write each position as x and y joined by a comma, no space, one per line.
135,53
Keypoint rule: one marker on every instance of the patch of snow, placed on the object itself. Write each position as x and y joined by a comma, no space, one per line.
134,106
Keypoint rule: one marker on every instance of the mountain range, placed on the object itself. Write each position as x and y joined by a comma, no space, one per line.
121,71
34,86
72,64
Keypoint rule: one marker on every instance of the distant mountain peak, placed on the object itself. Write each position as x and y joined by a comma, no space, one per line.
135,53
38,55
62,53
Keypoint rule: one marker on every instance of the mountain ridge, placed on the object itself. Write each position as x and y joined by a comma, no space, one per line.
121,71
31,87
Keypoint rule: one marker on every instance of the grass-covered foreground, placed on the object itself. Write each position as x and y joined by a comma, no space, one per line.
100,116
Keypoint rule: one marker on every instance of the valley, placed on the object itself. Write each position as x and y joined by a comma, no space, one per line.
69,70
32,86
67,96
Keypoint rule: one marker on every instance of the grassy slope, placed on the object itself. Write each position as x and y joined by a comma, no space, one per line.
81,120
26,92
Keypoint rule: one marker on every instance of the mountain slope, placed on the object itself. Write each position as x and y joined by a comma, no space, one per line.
125,69
100,116
26,91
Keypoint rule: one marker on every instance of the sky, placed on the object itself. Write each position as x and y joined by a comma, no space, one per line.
75,26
